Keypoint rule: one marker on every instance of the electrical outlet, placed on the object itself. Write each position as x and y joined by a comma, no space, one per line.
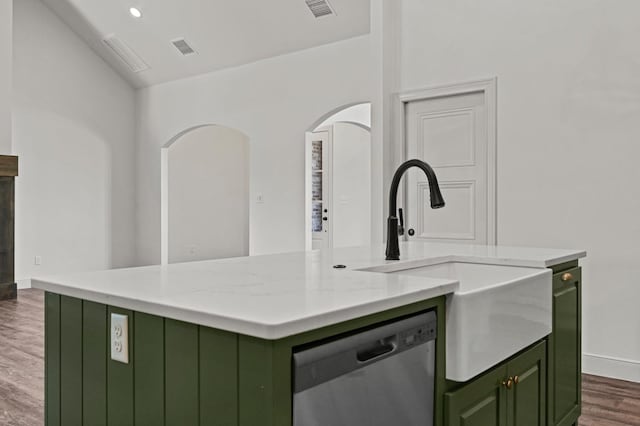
260,199
37,260
120,338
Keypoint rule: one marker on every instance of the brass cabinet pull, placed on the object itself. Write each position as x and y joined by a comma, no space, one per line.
516,379
567,276
508,383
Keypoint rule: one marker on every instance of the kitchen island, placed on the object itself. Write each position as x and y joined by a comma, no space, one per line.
211,342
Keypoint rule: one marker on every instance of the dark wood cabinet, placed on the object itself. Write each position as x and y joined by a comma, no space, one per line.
8,172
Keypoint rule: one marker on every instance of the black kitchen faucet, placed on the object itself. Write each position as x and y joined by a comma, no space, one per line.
393,249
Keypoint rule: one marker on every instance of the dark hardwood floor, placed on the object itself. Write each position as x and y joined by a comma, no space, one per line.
606,402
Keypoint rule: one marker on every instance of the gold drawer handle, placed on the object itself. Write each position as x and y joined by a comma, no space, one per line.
516,380
567,276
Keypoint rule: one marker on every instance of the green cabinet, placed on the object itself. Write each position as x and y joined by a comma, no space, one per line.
527,398
482,402
182,374
187,374
564,349
511,394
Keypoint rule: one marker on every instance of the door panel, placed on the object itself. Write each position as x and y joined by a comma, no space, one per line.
456,220
319,154
451,134
565,347
528,404
480,403
447,138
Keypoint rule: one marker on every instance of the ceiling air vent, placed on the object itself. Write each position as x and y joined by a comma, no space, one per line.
184,47
320,8
125,53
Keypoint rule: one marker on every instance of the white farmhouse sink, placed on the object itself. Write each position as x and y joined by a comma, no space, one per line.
497,311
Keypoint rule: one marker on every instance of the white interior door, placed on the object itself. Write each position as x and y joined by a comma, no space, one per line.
452,133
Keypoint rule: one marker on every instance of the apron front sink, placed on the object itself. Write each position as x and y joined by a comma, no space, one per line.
496,312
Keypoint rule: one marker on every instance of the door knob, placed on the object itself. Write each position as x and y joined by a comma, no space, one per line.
508,383
411,232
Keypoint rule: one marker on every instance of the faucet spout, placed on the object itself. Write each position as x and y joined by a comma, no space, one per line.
393,248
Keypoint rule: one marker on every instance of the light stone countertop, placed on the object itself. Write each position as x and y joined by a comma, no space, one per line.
276,296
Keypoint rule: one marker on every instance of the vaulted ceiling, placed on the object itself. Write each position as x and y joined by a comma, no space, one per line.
224,33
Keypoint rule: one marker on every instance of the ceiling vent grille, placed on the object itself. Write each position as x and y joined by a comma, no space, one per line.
320,8
184,47
125,53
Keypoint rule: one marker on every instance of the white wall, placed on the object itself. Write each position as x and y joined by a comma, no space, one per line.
568,132
385,47
273,102
351,181
74,130
208,195
360,114
5,75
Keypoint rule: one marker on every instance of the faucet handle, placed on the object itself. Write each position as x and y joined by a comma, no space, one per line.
401,217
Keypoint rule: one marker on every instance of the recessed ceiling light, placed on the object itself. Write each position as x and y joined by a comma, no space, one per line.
135,12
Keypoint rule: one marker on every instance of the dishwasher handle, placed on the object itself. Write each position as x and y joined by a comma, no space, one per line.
319,364
378,349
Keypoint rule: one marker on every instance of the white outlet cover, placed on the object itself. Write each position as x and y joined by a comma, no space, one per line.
120,338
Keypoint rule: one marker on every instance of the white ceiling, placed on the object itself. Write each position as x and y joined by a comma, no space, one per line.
225,33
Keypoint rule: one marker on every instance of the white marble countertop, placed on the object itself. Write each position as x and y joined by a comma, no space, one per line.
280,295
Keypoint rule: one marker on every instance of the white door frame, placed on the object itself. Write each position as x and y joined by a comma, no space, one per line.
489,88
326,182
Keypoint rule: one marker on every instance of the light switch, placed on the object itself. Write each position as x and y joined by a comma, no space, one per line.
120,338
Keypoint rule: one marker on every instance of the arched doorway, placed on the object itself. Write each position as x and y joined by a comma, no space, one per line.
205,195
338,179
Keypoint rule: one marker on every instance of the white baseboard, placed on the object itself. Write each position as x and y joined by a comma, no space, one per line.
22,284
616,368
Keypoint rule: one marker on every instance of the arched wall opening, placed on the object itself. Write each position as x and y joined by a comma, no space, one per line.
358,113
205,195
338,176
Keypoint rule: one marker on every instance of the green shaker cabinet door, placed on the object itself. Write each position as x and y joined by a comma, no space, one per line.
527,397
483,402
512,394
565,349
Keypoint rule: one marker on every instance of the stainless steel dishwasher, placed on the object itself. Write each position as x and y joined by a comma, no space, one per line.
380,377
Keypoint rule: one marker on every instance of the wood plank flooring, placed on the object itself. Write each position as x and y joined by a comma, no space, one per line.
22,359
606,402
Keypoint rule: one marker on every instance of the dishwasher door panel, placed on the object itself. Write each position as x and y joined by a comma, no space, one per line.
398,391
